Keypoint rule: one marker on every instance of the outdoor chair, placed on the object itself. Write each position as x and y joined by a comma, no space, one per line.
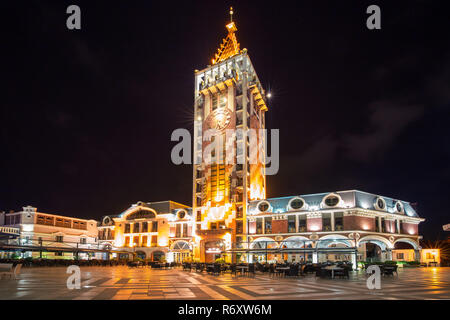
14,272
342,273
322,273
223,268
302,270
251,269
216,269
389,270
233,269
271,269
279,272
293,271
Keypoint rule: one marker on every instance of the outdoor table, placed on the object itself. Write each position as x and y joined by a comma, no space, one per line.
332,268
242,268
283,269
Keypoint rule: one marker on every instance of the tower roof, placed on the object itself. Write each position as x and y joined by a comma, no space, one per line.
230,45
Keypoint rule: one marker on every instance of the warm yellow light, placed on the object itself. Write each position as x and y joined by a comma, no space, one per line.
162,242
269,95
199,118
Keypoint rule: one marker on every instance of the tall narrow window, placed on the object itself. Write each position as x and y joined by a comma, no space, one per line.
239,227
339,221
326,221
383,225
154,241
302,223
268,225
259,224
154,226
291,223
214,102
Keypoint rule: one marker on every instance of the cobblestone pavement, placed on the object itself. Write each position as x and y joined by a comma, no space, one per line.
106,283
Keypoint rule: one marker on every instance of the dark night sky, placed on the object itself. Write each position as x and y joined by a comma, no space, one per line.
86,116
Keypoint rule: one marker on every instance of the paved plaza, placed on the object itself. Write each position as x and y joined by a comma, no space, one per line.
123,283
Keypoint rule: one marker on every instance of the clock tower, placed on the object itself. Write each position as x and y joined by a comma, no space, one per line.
228,170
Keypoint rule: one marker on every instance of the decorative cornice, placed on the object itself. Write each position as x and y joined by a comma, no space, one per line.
314,215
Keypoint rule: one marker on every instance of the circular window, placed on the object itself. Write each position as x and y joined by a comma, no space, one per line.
181,214
297,204
332,201
380,203
398,206
263,206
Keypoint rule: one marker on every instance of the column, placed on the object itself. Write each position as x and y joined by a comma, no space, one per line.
416,254
332,221
354,260
388,254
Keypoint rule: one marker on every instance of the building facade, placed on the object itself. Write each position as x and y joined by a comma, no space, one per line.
153,231
346,225
44,235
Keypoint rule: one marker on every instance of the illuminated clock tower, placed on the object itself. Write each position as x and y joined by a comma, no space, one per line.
228,169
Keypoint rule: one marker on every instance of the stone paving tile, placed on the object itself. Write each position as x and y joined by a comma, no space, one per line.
122,283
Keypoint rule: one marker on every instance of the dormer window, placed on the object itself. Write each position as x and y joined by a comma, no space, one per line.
399,207
332,201
181,214
380,204
296,204
263,206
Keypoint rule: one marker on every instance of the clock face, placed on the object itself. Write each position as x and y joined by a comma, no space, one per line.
219,119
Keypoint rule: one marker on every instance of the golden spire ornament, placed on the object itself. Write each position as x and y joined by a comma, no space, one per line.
230,45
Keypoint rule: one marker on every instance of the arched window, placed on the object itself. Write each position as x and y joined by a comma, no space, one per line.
141,214
181,245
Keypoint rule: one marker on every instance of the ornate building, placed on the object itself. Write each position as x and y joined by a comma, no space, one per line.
151,231
229,100
231,217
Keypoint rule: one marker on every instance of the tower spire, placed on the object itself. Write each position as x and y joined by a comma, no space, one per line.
230,45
